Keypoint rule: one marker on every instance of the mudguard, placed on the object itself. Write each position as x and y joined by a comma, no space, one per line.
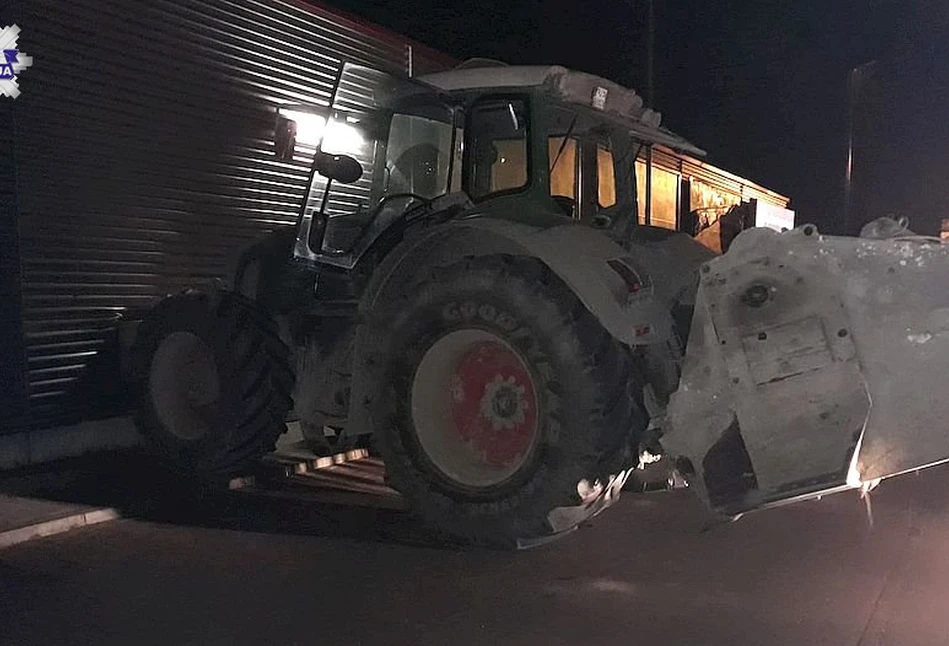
612,283
815,364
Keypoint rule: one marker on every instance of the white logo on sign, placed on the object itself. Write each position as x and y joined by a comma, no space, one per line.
12,61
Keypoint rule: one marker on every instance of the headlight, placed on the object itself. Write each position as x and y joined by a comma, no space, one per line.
310,127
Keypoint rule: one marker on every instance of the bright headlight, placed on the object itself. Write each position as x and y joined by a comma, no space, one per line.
310,127
341,137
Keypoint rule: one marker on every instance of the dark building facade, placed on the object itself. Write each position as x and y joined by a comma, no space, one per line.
138,161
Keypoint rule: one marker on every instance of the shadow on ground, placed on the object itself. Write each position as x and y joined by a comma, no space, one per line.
139,488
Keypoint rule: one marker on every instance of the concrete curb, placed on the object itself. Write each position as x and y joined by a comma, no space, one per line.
58,526
38,446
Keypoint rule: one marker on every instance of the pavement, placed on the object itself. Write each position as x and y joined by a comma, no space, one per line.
23,519
27,511
237,569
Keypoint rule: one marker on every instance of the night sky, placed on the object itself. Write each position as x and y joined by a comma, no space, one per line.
760,84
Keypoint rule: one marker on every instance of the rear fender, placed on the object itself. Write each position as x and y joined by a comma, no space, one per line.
612,283
622,296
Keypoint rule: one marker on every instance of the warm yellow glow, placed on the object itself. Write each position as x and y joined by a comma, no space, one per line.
664,194
641,189
606,177
563,176
709,204
665,198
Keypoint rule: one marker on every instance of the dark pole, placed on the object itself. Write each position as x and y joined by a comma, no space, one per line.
650,52
848,177
855,82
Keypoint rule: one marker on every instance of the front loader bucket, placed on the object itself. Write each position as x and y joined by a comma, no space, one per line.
814,364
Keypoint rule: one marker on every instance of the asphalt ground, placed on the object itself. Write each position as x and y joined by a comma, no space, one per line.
246,569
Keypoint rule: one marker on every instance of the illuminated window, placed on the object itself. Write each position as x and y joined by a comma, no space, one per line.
563,170
641,189
664,194
498,147
708,204
605,177
665,198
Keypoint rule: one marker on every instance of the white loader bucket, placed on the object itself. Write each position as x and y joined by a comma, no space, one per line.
815,364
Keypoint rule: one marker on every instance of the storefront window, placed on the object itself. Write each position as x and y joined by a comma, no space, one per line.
707,204
665,198
664,194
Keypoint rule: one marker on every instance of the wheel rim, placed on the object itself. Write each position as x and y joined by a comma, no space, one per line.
184,385
474,408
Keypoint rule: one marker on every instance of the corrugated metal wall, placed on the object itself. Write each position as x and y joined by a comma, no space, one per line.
12,366
144,161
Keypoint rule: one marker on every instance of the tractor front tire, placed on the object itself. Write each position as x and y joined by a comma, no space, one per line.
215,383
500,400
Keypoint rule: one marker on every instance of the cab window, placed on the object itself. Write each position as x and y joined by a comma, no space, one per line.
418,155
563,160
498,159
605,177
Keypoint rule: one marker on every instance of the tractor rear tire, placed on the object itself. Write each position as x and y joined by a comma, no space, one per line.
500,399
216,383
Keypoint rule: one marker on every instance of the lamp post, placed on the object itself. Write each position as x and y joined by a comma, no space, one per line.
650,52
854,84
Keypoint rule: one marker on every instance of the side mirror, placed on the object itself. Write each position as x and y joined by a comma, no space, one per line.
285,138
339,168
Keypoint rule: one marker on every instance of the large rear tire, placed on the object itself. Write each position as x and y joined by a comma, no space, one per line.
216,383
500,400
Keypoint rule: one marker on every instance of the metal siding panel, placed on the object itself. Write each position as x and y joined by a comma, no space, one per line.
12,367
13,407
146,165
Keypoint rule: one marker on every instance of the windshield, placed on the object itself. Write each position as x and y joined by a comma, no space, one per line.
402,136
418,156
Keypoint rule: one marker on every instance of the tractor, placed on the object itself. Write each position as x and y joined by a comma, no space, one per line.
469,290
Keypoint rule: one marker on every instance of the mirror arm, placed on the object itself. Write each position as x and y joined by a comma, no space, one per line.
318,228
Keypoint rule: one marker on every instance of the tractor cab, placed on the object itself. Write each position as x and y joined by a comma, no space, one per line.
543,146
565,141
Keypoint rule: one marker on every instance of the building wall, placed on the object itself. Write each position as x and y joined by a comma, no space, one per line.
144,163
12,365
681,189
136,162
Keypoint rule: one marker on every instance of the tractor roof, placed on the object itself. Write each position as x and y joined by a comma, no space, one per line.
570,87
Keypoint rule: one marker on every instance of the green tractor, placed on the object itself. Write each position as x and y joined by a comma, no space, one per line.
469,289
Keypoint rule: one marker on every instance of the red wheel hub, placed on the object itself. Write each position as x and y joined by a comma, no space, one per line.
494,403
